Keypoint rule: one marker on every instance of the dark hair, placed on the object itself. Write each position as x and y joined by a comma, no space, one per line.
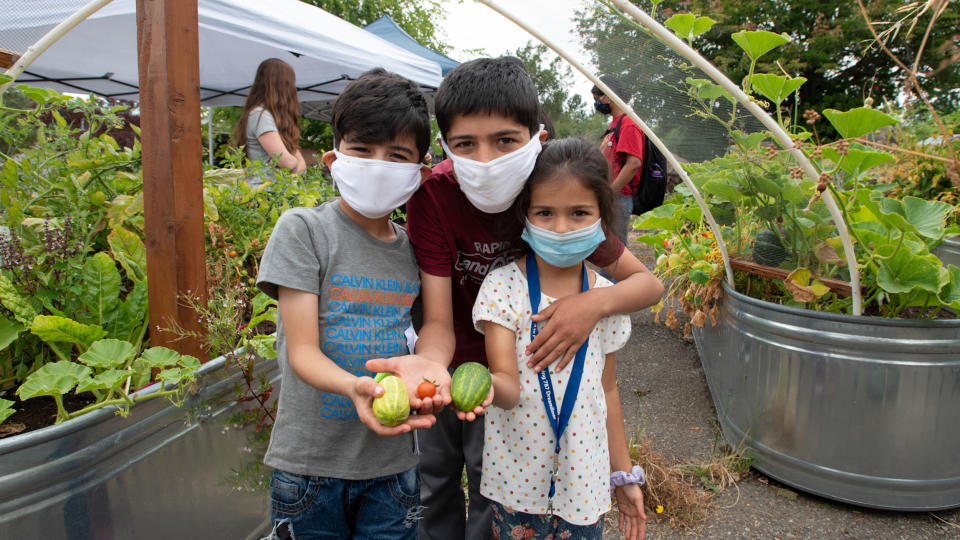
378,106
580,159
492,86
275,89
614,84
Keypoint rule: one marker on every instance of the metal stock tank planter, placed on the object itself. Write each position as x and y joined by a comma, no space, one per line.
857,409
161,472
949,251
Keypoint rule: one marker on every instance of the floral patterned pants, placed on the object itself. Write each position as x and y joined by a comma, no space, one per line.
508,524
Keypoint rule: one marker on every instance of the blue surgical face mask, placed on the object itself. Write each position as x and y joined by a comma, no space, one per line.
563,250
601,107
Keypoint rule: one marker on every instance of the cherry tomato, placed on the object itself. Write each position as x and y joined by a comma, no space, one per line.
426,389
232,254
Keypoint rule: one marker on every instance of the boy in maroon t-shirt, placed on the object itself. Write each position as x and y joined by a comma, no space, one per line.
462,226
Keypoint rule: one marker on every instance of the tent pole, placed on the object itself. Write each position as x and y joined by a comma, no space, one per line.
210,136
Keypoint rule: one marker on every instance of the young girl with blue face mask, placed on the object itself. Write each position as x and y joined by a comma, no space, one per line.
553,438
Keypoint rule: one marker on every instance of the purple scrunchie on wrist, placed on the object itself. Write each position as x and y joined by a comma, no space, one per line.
621,478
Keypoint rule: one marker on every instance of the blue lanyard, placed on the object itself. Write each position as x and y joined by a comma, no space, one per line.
558,422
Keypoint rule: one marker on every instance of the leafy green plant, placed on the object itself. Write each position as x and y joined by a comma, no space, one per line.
106,368
771,213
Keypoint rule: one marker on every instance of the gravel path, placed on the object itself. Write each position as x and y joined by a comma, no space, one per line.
665,396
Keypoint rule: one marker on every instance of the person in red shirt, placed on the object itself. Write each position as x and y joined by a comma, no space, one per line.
462,225
623,147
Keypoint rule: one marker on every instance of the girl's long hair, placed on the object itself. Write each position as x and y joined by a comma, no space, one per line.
275,89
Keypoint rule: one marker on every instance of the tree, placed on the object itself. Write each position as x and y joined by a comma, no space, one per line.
830,46
416,17
553,78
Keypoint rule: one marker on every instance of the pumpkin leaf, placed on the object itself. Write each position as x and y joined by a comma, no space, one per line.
858,122
906,271
825,252
112,379
688,26
108,353
723,191
802,287
950,293
758,43
160,357
776,88
54,329
749,141
706,90
53,379
857,161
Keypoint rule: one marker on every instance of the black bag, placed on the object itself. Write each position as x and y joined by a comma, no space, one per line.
653,175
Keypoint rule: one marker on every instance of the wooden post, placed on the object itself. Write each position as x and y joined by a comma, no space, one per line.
8,58
169,69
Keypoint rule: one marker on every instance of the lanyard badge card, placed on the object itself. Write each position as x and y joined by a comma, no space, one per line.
558,419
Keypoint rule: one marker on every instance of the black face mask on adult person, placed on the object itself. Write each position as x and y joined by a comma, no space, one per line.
601,107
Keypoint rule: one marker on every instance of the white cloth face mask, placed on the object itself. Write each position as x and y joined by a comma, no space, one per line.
372,187
493,186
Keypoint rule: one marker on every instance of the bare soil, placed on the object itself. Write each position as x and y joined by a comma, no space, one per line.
665,397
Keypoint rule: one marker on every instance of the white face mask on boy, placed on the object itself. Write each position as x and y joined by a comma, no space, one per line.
372,187
493,186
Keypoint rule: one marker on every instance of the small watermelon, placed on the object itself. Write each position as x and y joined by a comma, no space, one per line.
393,407
768,250
470,386
381,376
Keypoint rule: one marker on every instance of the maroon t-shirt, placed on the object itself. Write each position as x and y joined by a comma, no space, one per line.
451,238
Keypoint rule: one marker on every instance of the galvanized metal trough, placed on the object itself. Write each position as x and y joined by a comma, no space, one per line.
949,251
858,409
162,472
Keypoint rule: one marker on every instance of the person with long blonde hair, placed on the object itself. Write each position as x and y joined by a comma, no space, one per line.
269,128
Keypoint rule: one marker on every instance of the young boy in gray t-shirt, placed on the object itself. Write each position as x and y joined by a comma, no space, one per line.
345,277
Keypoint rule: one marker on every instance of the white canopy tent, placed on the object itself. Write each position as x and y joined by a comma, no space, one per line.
100,54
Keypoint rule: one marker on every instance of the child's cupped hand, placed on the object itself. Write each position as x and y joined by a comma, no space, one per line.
633,519
362,394
478,411
413,370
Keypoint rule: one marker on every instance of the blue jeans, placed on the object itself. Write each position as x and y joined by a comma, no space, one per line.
308,507
624,217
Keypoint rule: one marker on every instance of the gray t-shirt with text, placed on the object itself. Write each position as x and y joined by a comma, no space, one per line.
365,288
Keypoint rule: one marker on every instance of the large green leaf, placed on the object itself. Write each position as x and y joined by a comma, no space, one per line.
760,42
126,321
112,379
108,353
749,141
223,176
53,379
950,293
688,26
263,346
9,331
663,217
776,88
54,329
723,191
100,286
160,357
929,218
17,304
907,271
6,406
706,89
128,249
858,122
857,161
